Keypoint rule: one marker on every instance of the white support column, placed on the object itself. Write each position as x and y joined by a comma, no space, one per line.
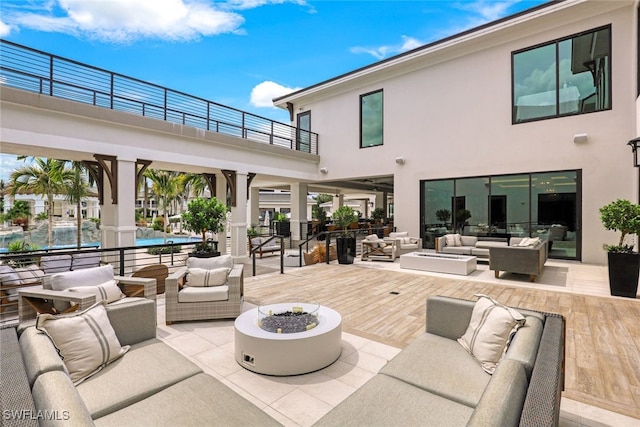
221,196
254,206
118,223
338,200
298,208
239,220
381,202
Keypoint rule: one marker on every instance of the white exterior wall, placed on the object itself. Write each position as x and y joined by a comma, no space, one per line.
449,115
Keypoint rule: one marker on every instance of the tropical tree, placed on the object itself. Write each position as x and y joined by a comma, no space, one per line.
43,177
78,189
165,186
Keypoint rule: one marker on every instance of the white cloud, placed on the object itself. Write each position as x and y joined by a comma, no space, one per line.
4,29
382,52
489,10
262,95
125,20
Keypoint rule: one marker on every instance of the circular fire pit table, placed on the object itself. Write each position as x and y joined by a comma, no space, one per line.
288,338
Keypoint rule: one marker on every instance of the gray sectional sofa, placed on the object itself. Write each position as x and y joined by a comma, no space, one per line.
435,382
151,385
470,245
519,259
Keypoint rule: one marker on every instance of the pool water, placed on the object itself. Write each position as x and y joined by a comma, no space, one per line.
139,242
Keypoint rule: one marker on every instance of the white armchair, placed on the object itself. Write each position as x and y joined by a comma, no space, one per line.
404,242
208,288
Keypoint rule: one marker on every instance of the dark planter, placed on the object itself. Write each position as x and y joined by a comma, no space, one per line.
346,248
283,228
204,254
623,274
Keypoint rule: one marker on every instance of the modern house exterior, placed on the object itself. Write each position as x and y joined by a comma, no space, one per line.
518,127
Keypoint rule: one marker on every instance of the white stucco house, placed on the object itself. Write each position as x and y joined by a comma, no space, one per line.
522,122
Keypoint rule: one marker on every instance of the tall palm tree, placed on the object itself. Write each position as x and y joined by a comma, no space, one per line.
43,177
78,189
165,185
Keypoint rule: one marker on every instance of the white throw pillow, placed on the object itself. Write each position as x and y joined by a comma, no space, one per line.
200,277
225,261
30,274
529,241
490,331
86,277
9,276
458,239
85,340
450,239
108,291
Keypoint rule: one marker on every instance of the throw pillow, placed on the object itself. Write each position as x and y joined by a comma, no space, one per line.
86,277
107,292
9,276
85,340
30,274
450,239
225,261
490,331
458,239
200,277
529,241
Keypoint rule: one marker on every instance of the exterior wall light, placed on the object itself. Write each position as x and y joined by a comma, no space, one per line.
634,147
580,138
324,170
400,160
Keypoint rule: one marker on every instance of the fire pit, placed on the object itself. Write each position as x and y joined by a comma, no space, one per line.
288,338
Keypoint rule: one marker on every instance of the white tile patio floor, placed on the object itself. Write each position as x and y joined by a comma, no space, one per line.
302,400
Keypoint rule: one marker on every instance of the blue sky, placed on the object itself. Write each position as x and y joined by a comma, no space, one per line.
240,53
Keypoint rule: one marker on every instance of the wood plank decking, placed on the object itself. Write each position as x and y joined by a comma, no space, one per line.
603,333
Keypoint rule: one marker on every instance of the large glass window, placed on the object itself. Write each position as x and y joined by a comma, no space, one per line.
303,140
371,116
563,77
544,205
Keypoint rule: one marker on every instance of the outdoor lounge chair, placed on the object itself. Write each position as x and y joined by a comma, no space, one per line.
375,248
208,288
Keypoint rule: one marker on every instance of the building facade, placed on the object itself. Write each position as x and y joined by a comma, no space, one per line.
518,127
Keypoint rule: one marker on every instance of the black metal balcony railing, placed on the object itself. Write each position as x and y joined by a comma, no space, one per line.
36,71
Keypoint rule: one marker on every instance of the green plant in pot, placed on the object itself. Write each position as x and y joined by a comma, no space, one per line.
202,216
283,227
343,217
624,264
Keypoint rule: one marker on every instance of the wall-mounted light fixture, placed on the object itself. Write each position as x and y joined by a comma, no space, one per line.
580,138
324,170
400,160
634,147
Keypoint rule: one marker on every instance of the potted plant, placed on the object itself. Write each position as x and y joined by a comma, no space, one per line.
283,227
624,263
443,216
202,216
345,244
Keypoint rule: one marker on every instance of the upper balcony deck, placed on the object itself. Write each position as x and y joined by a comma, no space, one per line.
36,71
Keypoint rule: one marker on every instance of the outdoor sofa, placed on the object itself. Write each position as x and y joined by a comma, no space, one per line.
468,245
150,385
522,256
436,382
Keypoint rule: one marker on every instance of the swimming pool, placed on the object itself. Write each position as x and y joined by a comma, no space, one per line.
139,242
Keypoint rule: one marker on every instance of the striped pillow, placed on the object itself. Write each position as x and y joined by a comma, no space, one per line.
108,291
490,331
85,340
199,277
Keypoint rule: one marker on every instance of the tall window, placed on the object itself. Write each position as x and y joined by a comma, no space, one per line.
563,77
303,140
371,116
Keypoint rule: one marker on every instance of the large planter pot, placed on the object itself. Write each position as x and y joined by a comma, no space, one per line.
204,254
346,248
624,269
283,228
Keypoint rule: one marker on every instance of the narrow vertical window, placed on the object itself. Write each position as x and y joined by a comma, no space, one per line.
371,119
303,137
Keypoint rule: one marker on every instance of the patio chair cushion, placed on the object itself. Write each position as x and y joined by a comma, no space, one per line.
490,330
221,261
55,263
85,340
108,291
201,294
200,277
374,241
453,240
85,277
30,274
9,276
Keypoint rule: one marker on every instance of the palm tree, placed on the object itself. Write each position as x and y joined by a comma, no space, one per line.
43,177
78,189
165,185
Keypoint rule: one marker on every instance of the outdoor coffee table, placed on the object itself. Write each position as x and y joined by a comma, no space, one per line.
439,263
264,345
